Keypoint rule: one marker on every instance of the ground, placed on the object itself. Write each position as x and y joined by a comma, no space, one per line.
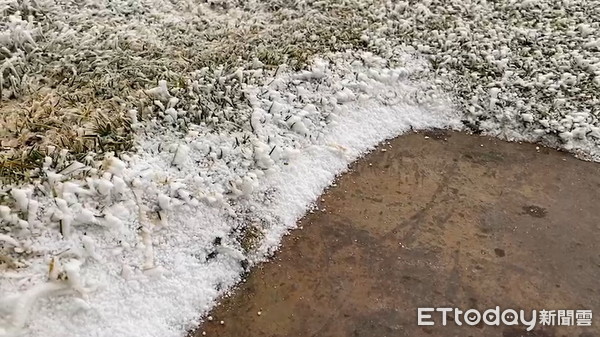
153,151
439,219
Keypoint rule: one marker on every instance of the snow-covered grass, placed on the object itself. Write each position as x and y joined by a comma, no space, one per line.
72,71
157,149
520,70
143,244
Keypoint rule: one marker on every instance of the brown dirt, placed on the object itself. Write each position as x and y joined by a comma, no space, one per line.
449,220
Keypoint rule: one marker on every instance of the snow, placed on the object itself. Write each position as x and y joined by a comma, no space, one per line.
9,240
21,198
143,244
151,240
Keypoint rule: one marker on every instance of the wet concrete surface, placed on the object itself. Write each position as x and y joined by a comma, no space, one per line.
433,219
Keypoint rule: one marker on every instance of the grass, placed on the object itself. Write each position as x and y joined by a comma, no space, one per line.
41,126
74,92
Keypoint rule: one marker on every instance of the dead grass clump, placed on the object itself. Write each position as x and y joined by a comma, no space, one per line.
46,123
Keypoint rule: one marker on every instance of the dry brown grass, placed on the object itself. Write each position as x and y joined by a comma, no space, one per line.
45,123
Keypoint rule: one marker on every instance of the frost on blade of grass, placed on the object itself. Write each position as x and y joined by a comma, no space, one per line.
518,70
72,78
185,209
63,278
77,80
242,111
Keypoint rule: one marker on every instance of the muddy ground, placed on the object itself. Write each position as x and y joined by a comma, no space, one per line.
432,219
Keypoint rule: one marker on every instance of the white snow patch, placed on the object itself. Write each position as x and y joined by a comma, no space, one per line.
144,246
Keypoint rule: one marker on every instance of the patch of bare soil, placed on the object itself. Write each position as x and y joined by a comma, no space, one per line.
432,220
